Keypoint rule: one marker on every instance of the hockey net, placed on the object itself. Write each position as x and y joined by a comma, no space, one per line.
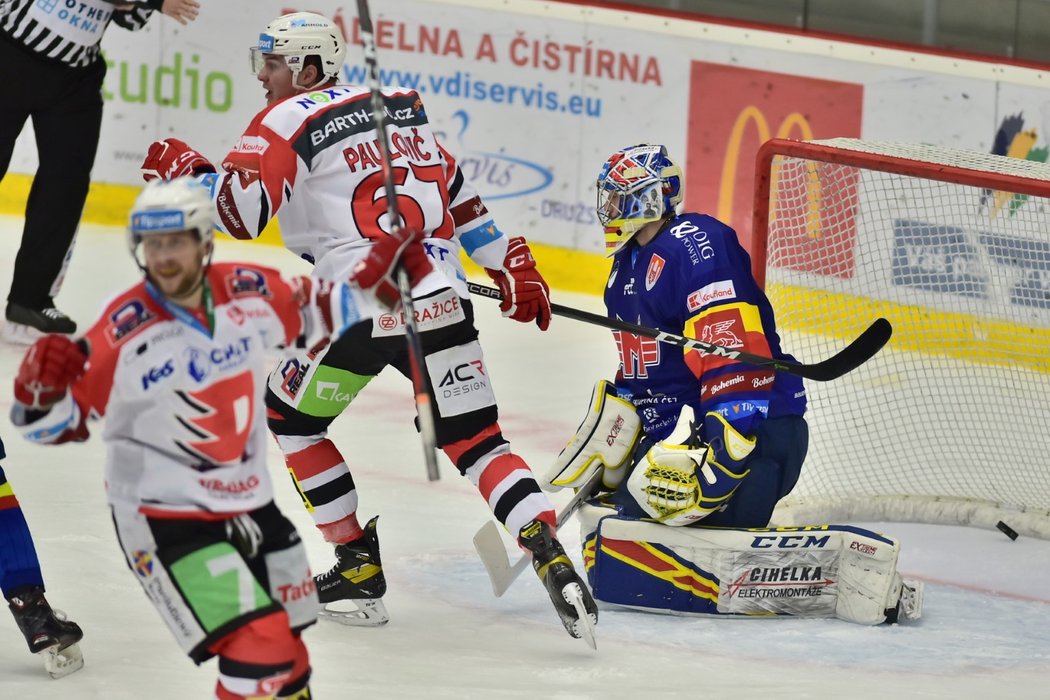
950,423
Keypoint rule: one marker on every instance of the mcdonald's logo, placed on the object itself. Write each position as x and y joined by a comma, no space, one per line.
733,111
794,124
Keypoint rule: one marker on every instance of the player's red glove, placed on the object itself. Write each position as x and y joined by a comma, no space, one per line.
48,368
376,270
526,296
171,158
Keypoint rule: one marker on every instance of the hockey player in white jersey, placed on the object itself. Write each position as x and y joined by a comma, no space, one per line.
311,159
177,365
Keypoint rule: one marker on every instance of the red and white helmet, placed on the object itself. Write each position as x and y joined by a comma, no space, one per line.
636,185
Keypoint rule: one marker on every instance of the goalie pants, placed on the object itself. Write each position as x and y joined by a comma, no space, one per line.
465,420
780,448
65,105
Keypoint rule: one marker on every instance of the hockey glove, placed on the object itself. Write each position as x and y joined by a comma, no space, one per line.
172,158
376,272
50,366
681,480
328,310
526,296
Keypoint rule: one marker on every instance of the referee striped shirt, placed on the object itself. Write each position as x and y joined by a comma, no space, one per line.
68,31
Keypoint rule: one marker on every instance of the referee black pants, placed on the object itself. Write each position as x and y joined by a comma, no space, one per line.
65,105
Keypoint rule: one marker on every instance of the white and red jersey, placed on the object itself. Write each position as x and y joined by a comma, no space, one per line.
313,160
185,423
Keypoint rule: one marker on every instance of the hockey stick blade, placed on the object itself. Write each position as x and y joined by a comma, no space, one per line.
488,542
862,349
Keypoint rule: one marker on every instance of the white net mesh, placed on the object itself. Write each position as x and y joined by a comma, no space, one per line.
950,422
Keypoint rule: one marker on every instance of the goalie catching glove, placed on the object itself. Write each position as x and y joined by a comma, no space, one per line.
48,369
526,296
682,480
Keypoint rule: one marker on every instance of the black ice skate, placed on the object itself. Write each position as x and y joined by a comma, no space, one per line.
350,591
48,632
568,592
24,325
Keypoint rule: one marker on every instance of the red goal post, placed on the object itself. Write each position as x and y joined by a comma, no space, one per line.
950,423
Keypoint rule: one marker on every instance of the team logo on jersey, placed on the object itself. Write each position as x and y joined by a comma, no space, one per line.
722,333
122,322
143,562
637,354
293,373
656,266
220,417
245,281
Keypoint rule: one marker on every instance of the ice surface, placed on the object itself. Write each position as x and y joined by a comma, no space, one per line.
985,631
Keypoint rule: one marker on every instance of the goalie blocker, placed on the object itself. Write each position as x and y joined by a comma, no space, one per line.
809,571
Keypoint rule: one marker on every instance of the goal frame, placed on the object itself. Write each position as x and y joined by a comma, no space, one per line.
897,508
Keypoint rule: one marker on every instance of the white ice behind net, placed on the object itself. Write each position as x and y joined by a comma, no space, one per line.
951,422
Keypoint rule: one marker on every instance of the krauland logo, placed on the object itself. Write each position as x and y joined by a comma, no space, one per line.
1014,141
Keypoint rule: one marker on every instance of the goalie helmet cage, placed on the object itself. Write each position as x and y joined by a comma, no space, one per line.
950,423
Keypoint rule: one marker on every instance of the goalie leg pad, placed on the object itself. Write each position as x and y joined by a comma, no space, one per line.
811,571
605,440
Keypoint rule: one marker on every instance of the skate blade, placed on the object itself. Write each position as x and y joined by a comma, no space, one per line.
366,612
583,626
912,593
62,663
19,334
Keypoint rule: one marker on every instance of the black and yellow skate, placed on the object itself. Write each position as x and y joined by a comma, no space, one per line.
351,591
48,632
572,600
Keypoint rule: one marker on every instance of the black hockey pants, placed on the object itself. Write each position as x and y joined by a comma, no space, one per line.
65,105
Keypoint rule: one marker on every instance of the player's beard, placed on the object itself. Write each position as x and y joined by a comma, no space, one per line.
177,282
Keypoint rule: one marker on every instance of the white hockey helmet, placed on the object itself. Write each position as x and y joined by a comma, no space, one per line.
298,35
169,206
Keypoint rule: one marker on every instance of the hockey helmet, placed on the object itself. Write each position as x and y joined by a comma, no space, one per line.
636,185
298,35
169,206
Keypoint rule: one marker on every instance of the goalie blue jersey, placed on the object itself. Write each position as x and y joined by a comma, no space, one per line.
694,279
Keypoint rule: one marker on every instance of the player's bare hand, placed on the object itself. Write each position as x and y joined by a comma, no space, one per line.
185,11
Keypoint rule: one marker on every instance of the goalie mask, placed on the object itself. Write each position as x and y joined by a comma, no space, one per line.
296,36
169,206
636,185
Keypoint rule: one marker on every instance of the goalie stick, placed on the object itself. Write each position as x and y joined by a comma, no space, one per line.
489,543
862,349
416,359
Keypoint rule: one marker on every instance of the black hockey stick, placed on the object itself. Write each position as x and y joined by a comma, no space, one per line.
489,542
416,359
862,349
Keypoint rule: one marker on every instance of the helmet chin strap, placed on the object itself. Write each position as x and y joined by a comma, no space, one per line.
320,81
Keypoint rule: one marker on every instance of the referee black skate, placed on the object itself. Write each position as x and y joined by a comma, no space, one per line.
51,51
